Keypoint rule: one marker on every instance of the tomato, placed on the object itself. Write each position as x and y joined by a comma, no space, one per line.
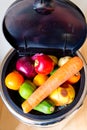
14,80
43,64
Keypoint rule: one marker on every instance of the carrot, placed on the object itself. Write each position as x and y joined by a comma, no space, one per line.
61,75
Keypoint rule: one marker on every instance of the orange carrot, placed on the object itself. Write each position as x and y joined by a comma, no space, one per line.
70,68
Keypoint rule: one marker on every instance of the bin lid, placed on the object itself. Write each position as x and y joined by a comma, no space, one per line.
53,24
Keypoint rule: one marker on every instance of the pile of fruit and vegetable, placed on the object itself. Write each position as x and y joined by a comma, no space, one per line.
44,81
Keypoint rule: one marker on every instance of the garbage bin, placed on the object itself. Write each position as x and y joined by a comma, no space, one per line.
56,27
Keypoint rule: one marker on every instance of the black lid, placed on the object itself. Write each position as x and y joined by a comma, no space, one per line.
55,24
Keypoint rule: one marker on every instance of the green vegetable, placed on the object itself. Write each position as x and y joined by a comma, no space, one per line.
45,107
54,70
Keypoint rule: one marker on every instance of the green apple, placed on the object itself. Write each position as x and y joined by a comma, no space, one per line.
26,89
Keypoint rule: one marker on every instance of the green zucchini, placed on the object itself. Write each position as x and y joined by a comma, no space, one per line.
45,107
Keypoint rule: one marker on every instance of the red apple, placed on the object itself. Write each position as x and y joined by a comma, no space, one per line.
43,64
26,67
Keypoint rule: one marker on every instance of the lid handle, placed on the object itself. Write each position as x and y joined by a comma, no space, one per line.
44,7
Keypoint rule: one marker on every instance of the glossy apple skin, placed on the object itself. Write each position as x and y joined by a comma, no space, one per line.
26,67
44,64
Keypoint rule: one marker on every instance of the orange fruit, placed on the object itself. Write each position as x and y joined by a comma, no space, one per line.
14,80
74,79
39,79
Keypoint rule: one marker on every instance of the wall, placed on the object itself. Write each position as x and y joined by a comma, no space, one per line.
82,4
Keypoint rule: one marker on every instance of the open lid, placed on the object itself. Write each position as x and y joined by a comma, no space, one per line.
53,24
